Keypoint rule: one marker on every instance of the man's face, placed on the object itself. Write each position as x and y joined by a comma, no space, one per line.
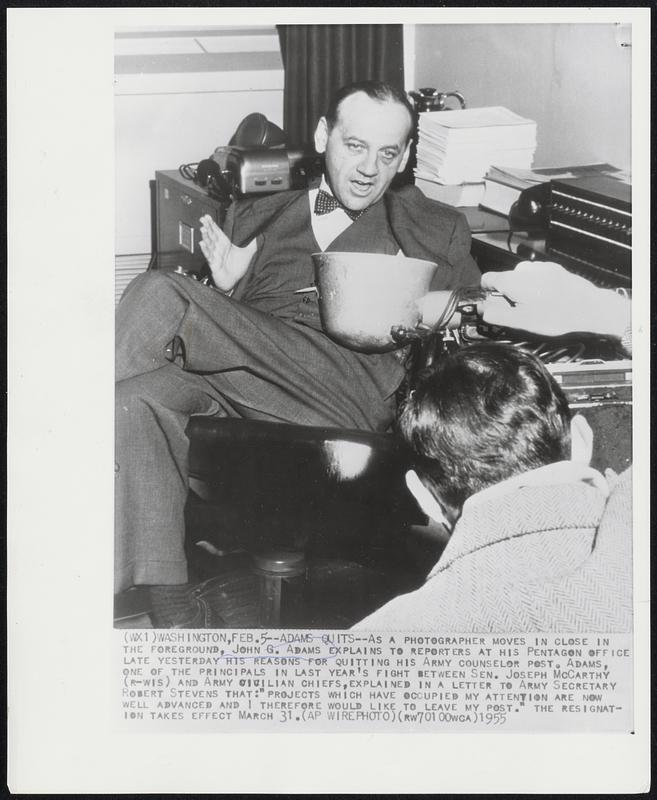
366,148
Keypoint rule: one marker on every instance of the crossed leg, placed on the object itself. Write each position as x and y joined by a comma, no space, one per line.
237,361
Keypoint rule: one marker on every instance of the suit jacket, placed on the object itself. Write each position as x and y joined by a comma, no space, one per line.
283,261
422,228
539,558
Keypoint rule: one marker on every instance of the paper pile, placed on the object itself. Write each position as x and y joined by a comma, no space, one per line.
456,147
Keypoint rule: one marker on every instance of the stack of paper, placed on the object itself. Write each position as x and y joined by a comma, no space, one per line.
460,146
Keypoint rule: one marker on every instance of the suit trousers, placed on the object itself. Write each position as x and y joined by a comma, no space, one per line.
236,361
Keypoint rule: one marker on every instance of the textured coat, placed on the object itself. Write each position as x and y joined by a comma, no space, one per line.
540,558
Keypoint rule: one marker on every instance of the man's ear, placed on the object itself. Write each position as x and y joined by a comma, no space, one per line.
404,161
321,135
425,499
581,440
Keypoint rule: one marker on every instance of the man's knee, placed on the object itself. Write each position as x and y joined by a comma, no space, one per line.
147,319
149,286
165,393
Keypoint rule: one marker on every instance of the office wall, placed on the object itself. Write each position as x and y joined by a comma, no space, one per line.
178,95
573,79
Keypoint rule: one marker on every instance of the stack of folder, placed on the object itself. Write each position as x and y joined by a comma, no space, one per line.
457,148
504,185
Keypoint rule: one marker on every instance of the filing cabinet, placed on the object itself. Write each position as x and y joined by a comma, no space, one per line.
180,203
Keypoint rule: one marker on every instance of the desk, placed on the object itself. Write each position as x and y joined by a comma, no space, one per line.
482,221
496,247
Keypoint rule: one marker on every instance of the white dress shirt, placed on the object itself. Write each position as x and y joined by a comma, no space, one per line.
327,227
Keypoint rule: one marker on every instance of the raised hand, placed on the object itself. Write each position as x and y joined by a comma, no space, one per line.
228,263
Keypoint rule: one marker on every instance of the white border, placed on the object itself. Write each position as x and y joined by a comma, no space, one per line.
60,289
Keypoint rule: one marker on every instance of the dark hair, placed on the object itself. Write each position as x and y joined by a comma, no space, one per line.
376,90
483,414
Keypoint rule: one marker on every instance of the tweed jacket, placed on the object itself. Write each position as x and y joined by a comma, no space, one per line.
539,558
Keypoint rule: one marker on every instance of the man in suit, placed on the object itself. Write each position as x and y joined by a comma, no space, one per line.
252,345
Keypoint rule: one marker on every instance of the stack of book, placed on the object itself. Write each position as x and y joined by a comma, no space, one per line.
457,148
504,185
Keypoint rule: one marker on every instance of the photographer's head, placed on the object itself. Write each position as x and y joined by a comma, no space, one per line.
366,137
482,415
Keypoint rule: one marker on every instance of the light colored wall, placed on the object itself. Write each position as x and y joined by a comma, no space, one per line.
178,95
573,79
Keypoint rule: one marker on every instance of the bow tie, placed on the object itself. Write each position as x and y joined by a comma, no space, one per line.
325,203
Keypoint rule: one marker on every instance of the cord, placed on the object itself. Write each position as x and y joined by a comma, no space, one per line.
449,310
188,171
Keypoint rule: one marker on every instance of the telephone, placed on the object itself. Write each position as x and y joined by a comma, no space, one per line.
531,209
256,161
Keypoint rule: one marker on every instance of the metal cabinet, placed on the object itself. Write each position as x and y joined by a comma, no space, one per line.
180,204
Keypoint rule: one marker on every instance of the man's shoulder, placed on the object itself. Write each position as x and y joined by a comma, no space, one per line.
252,216
269,204
561,503
411,199
527,511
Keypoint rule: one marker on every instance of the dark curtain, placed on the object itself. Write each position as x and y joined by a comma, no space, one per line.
319,59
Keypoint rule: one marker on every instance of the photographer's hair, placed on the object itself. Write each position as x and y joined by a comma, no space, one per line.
480,415
376,90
